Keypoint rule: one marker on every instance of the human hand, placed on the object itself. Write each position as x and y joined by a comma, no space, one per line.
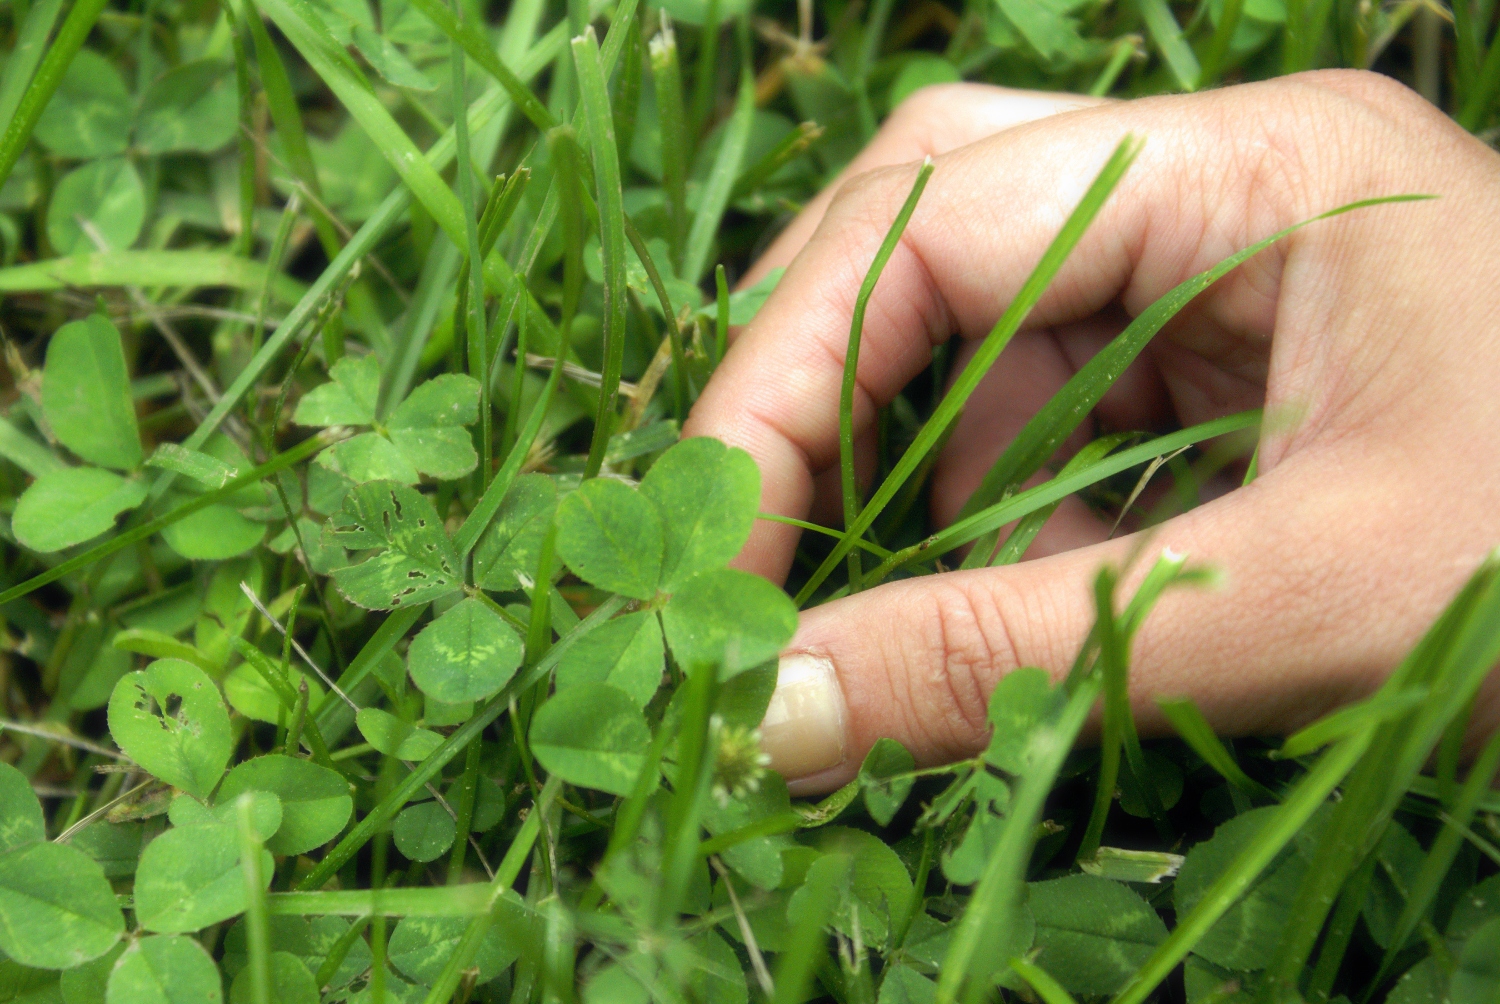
1374,328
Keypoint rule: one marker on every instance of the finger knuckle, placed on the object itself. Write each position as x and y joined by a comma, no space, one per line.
969,648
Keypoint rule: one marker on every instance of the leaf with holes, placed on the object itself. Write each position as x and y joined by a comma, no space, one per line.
169,719
415,563
707,494
467,654
86,394
57,909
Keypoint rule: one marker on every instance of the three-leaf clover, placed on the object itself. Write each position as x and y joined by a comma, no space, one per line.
192,108
425,434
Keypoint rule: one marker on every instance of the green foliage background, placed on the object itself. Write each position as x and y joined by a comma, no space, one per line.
368,633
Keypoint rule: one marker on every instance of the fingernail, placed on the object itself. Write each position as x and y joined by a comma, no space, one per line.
803,731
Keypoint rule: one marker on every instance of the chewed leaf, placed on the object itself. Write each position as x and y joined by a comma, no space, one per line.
707,494
513,542
170,720
86,394
57,910
71,506
592,735
611,536
416,563
467,654
349,399
729,619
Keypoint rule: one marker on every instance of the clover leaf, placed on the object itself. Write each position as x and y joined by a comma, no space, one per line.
424,435
415,563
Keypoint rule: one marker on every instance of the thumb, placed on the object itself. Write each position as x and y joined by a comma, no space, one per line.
1307,616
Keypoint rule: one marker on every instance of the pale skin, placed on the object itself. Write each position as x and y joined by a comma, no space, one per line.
1376,329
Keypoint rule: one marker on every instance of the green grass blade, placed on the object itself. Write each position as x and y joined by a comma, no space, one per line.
75,28
721,313
795,144
1058,488
310,35
1218,46
1334,726
606,161
472,295
674,332
994,909
1439,860
1175,51
1047,988
989,350
31,45
851,360
468,946
1030,525
806,944
469,37
257,922
666,76
714,198
1309,794
1051,426
1197,733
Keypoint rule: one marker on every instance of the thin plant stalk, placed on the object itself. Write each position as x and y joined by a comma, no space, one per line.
989,350
851,360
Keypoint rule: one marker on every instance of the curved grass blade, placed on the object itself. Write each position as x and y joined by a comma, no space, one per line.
1197,733
714,198
989,350
851,360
